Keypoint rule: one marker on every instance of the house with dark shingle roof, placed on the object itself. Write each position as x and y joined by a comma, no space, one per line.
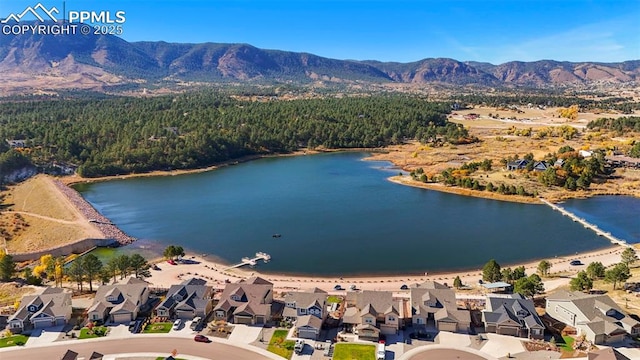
370,313
512,315
246,302
433,305
517,165
301,306
597,317
187,300
49,307
119,303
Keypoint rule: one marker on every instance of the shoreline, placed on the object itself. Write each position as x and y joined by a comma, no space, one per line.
216,274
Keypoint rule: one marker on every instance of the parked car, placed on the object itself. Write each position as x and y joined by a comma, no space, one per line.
575,262
196,322
177,324
404,287
337,287
201,338
299,346
170,261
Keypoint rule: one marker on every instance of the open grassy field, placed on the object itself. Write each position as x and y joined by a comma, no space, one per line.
15,340
38,196
12,292
36,216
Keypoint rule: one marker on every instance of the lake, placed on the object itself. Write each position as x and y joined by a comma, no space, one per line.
336,213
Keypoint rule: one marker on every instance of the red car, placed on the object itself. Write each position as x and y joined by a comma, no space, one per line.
201,338
171,262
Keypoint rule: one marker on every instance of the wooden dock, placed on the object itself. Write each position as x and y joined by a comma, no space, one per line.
586,224
251,261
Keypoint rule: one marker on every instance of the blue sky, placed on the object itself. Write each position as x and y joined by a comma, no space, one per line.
402,30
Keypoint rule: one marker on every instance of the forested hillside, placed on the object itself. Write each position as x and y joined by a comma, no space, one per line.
124,135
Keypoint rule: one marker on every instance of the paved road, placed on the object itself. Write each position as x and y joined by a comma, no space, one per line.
159,345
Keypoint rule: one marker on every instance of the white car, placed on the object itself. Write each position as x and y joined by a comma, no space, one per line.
177,324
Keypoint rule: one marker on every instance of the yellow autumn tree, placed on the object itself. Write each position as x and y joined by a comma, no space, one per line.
570,113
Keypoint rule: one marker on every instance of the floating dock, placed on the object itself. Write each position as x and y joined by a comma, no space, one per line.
586,224
251,261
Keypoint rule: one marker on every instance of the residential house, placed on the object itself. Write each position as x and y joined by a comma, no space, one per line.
16,144
370,313
187,300
517,164
119,303
433,305
512,315
308,309
597,317
49,307
246,302
585,153
541,166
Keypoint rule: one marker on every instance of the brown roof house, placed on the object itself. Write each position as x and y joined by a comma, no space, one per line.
119,303
308,309
187,300
433,306
49,307
246,302
512,315
370,313
597,317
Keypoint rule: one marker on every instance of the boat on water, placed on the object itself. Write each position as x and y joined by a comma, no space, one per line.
276,235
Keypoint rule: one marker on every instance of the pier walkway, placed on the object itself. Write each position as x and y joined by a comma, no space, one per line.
251,261
585,223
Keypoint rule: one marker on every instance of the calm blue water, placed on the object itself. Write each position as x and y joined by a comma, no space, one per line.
337,215
619,215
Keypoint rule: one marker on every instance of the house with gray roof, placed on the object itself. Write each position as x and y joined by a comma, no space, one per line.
433,306
187,300
301,306
514,315
606,354
246,302
49,307
597,317
370,313
119,303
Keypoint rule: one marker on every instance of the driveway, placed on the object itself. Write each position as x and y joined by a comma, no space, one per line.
42,337
244,334
453,339
501,345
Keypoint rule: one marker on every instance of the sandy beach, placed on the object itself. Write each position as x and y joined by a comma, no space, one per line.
216,275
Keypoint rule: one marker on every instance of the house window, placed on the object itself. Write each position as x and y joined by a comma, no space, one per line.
111,298
235,297
15,326
303,311
368,320
419,321
220,314
391,318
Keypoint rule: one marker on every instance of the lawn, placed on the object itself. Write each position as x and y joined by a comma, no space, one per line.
13,340
568,343
158,328
98,331
333,299
279,346
354,351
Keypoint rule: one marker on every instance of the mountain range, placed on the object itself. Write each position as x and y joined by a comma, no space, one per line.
99,61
